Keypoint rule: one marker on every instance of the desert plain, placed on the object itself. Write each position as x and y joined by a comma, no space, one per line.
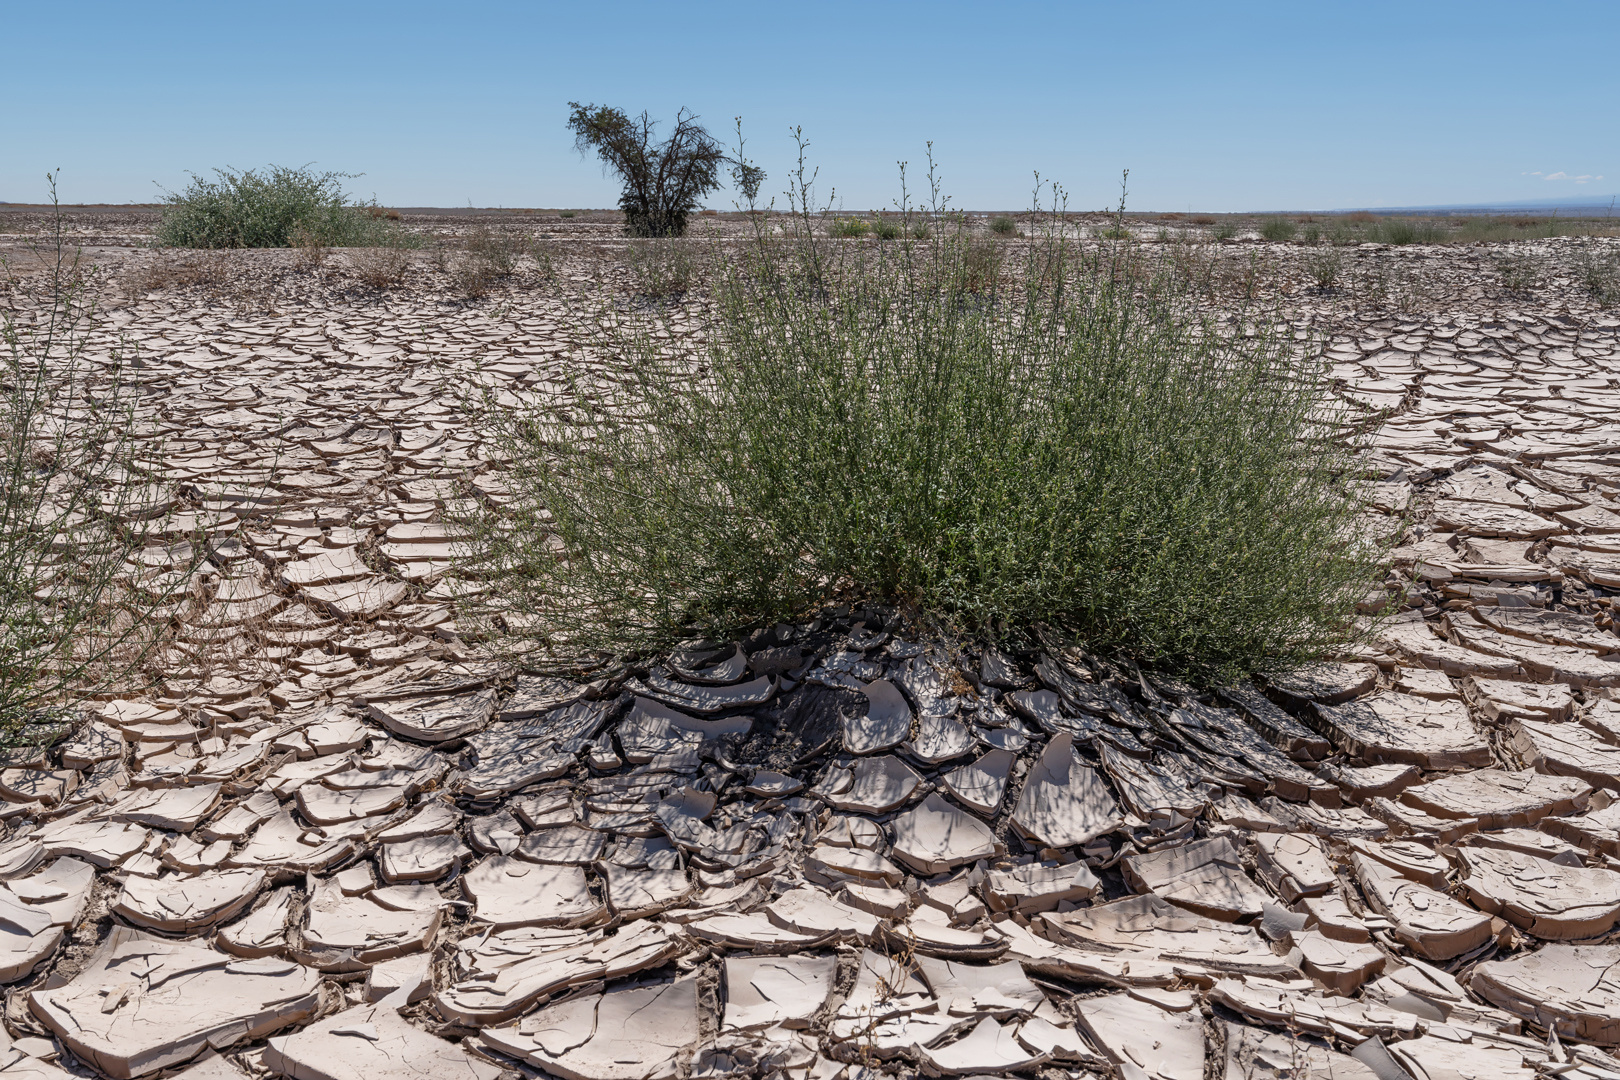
340,836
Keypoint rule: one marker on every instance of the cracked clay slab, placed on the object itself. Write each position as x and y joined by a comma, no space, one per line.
142,1005
1063,802
371,1042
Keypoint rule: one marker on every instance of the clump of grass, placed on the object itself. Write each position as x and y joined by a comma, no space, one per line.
848,228
1408,231
566,214
1225,229
981,264
1518,271
1325,265
661,269
1003,225
381,267
1074,447
270,208
310,248
498,251
1278,229
887,229
1598,272
173,270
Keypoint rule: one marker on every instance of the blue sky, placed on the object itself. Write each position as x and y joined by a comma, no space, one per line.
1230,106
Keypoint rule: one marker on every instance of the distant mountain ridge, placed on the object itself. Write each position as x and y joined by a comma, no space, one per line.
1583,205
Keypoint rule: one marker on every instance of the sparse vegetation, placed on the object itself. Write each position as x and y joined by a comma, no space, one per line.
663,268
380,267
1407,231
1278,229
1070,448
274,207
1002,225
79,499
1599,273
1225,229
848,228
1325,265
1518,271
663,182
499,251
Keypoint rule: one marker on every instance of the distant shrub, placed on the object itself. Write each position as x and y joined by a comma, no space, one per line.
1226,229
1202,219
1002,225
566,214
273,207
848,228
886,229
1361,217
1278,229
1409,231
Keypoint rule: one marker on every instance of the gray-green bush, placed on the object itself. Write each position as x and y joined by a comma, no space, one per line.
274,207
78,501
1071,447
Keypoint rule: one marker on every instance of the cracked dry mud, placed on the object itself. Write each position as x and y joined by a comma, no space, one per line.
336,842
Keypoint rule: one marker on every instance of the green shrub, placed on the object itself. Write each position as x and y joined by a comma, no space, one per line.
1072,447
849,228
271,208
887,230
1326,265
1278,229
1225,229
1002,225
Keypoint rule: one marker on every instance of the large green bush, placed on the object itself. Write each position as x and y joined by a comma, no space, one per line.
274,207
1070,445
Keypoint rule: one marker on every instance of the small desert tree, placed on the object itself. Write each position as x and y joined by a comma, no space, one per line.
663,181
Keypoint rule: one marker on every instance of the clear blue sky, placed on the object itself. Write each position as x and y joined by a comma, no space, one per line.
1212,106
